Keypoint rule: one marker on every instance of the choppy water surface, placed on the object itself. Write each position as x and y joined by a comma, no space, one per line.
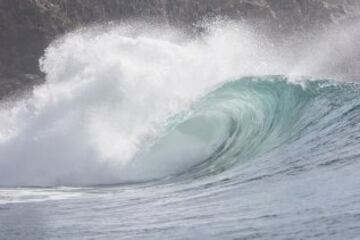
128,150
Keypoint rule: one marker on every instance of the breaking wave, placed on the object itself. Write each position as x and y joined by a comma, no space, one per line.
122,105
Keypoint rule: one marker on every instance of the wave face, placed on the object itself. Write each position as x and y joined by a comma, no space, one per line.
255,117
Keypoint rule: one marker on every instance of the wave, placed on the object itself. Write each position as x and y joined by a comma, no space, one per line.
122,105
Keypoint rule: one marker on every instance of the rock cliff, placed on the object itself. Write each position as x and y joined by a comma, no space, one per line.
28,26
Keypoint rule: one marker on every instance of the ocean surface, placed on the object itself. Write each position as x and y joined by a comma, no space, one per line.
152,135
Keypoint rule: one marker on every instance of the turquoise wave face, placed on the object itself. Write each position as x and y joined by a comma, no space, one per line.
255,120
233,128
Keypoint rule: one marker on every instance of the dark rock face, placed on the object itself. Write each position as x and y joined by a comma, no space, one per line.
28,26
25,29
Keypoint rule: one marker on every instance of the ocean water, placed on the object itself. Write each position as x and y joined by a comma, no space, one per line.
150,134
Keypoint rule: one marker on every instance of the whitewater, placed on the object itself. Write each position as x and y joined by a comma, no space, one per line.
145,132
